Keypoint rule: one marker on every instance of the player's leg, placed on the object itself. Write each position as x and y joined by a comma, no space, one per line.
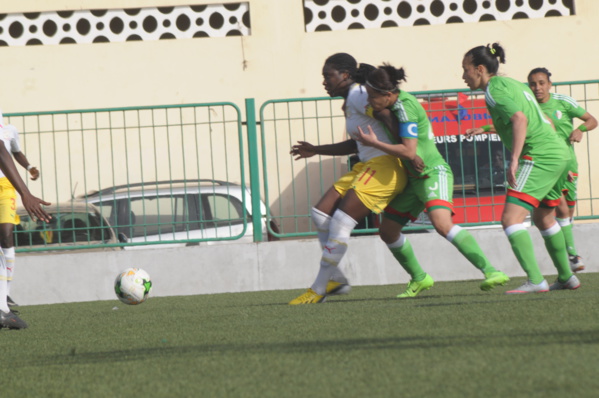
512,220
373,187
565,218
556,247
321,217
7,244
7,318
467,245
402,250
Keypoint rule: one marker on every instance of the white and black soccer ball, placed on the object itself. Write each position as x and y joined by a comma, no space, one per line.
132,286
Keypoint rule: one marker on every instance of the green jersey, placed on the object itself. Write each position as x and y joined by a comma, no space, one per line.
562,109
504,97
414,124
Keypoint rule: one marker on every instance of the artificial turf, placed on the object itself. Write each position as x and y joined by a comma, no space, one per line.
451,341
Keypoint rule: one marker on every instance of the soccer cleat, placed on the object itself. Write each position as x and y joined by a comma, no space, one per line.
310,297
529,287
11,302
571,284
576,263
493,279
10,320
334,288
416,287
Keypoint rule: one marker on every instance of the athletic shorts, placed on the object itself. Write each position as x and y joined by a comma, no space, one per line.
430,193
569,190
539,182
376,181
8,202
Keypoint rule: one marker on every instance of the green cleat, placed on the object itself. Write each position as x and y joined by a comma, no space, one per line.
309,297
493,279
416,287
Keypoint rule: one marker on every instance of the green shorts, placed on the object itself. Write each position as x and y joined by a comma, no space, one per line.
429,193
570,187
539,181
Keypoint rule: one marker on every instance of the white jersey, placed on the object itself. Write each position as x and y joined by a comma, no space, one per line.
355,115
10,136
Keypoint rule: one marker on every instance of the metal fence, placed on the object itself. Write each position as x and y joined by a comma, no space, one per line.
84,154
478,163
190,174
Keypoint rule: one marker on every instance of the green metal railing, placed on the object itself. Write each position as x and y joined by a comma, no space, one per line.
159,174
89,150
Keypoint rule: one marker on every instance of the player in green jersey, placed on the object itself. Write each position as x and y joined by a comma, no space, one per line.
538,166
562,109
429,189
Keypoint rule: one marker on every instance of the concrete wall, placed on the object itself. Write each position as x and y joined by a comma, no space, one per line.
73,277
278,60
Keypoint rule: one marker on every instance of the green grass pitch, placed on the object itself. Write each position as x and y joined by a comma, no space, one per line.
451,341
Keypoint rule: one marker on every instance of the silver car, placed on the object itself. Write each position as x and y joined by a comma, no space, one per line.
177,212
72,224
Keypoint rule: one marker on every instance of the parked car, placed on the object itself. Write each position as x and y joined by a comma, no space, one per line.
180,210
72,224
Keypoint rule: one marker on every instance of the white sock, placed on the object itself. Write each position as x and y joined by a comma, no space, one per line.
398,243
3,284
563,222
551,230
9,253
321,221
340,230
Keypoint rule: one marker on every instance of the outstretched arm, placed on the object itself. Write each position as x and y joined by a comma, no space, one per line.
32,204
304,149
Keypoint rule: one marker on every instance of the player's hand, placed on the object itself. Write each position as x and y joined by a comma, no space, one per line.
511,174
35,173
576,136
571,177
367,139
474,131
34,208
418,164
303,150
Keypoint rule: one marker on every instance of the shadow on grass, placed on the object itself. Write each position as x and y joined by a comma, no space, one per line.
469,342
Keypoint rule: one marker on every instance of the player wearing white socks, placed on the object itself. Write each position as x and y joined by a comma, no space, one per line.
368,187
33,205
8,198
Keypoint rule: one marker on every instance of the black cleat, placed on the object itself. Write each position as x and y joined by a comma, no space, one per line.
11,302
11,321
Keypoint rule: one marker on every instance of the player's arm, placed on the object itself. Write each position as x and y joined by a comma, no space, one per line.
304,149
406,150
519,124
589,124
22,160
32,204
489,128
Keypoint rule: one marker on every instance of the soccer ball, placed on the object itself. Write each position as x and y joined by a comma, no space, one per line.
132,286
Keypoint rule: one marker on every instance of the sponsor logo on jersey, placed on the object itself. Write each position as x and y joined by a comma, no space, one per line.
558,114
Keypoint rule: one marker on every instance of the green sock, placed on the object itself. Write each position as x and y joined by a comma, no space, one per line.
523,249
569,239
407,259
556,246
467,245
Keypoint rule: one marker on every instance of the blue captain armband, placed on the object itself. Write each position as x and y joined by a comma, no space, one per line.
408,130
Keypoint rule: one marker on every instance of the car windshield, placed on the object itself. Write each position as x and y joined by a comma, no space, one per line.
64,227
